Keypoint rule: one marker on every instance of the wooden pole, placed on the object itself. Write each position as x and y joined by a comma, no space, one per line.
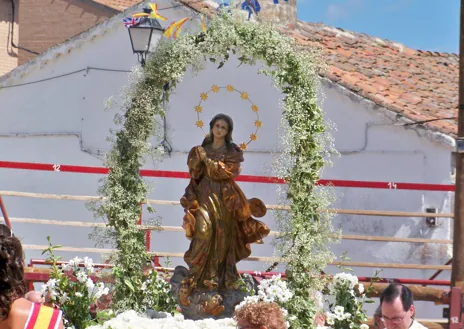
457,273
5,214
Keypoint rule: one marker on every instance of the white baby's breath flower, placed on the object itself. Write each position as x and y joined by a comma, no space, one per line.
364,326
78,294
144,286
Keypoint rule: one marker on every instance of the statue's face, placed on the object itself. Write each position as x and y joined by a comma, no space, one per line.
220,129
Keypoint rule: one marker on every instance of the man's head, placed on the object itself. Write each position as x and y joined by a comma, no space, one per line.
397,306
378,323
260,315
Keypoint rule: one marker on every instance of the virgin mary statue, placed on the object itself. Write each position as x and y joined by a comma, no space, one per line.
218,217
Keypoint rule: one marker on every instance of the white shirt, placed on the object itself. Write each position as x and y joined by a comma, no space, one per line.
417,325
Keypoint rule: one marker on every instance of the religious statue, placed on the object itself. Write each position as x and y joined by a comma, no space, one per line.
218,217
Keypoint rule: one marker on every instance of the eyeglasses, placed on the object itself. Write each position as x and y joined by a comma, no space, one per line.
396,319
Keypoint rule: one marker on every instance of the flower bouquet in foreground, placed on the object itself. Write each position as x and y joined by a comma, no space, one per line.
272,290
71,288
345,300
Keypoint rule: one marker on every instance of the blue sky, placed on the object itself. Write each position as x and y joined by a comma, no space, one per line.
419,24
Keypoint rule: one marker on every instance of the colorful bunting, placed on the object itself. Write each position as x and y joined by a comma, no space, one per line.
203,24
175,28
252,6
153,14
130,21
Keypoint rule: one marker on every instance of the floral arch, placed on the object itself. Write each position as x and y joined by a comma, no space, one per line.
295,71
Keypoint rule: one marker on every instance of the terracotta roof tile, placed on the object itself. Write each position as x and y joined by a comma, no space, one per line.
420,85
119,5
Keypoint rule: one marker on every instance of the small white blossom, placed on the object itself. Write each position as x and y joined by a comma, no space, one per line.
51,283
66,266
88,264
339,309
144,286
360,288
90,284
330,318
64,298
364,326
74,263
81,277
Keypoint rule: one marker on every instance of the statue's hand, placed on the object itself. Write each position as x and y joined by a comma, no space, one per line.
201,153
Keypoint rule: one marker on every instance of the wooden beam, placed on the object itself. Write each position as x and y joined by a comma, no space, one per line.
382,213
180,229
436,295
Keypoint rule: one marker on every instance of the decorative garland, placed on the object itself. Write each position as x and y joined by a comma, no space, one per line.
243,95
295,71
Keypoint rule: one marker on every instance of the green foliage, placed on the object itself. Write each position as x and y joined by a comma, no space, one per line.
295,72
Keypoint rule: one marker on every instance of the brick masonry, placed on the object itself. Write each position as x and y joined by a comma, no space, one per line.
8,54
46,23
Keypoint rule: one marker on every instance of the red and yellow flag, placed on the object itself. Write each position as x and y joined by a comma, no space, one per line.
175,28
43,317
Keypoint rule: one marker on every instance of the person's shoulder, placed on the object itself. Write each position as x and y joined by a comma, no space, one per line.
22,310
19,313
21,307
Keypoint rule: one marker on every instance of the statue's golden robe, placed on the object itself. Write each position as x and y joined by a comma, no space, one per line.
218,218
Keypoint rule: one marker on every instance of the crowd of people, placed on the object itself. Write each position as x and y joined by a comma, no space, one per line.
20,309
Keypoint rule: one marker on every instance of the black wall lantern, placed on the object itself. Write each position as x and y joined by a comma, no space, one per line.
141,35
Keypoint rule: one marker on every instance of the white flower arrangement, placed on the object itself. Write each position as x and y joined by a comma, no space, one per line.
345,301
272,290
72,289
130,319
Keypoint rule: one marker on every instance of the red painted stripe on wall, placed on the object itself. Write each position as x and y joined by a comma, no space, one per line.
241,178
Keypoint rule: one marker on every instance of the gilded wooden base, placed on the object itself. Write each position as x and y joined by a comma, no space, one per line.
198,305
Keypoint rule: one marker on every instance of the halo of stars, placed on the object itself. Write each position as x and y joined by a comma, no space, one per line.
244,96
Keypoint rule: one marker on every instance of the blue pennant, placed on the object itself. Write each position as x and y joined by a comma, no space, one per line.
224,6
255,4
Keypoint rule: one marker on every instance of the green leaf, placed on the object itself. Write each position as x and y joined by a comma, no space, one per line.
129,284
